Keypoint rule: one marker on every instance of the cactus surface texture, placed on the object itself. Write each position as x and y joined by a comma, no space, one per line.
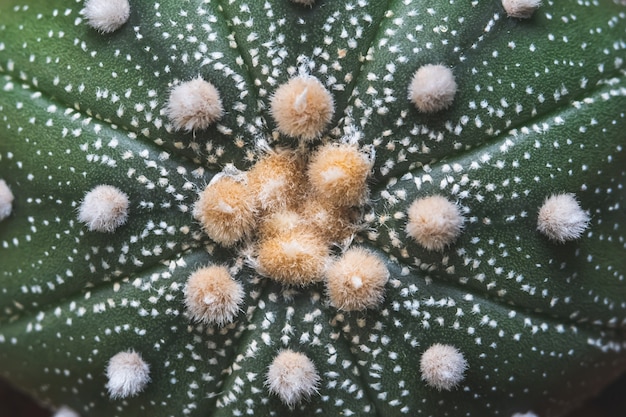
298,207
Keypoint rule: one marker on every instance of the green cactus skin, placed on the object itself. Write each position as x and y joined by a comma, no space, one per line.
540,109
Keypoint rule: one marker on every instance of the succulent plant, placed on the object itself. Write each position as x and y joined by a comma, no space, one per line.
362,207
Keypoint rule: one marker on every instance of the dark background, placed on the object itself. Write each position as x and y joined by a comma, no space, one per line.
611,403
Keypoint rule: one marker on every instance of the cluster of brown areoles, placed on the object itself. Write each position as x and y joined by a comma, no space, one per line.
293,207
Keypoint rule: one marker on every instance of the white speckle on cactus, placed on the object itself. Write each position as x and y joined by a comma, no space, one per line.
356,281
106,15
212,295
442,366
561,218
528,414
293,377
6,200
127,373
104,208
302,107
65,411
434,222
432,88
194,105
338,174
521,9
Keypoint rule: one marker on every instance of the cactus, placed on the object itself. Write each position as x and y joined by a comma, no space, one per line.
402,207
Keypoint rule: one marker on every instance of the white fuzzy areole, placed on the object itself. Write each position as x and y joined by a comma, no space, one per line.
528,414
293,377
442,366
106,16
434,222
194,105
521,9
432,88
104,208
65,411
561,218
6,200
128,374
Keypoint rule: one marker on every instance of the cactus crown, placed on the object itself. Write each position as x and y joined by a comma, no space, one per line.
312,207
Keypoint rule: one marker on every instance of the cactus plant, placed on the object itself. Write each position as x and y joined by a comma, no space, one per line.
478,271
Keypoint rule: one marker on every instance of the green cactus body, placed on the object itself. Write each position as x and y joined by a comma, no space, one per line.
536,325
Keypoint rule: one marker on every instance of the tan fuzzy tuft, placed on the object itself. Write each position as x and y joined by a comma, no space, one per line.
295,258
6,200
432,88
293,377
521,9
127,373
434,222
356,281
106,16
278,181
104,209
194,105
212,296
226,210
338,173
561,218
281,223
333,224
442,366
302,107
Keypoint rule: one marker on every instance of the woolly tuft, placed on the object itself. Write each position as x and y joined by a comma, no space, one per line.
106,16
561,218
212,296
277,179
226,209
442,366
65,411
434,222
194,105
293,377
127,374
6,200
302,107
104,209
295,258
338,173
521,9
432,88
356,281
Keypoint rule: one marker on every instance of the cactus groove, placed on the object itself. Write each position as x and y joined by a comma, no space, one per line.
508,301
